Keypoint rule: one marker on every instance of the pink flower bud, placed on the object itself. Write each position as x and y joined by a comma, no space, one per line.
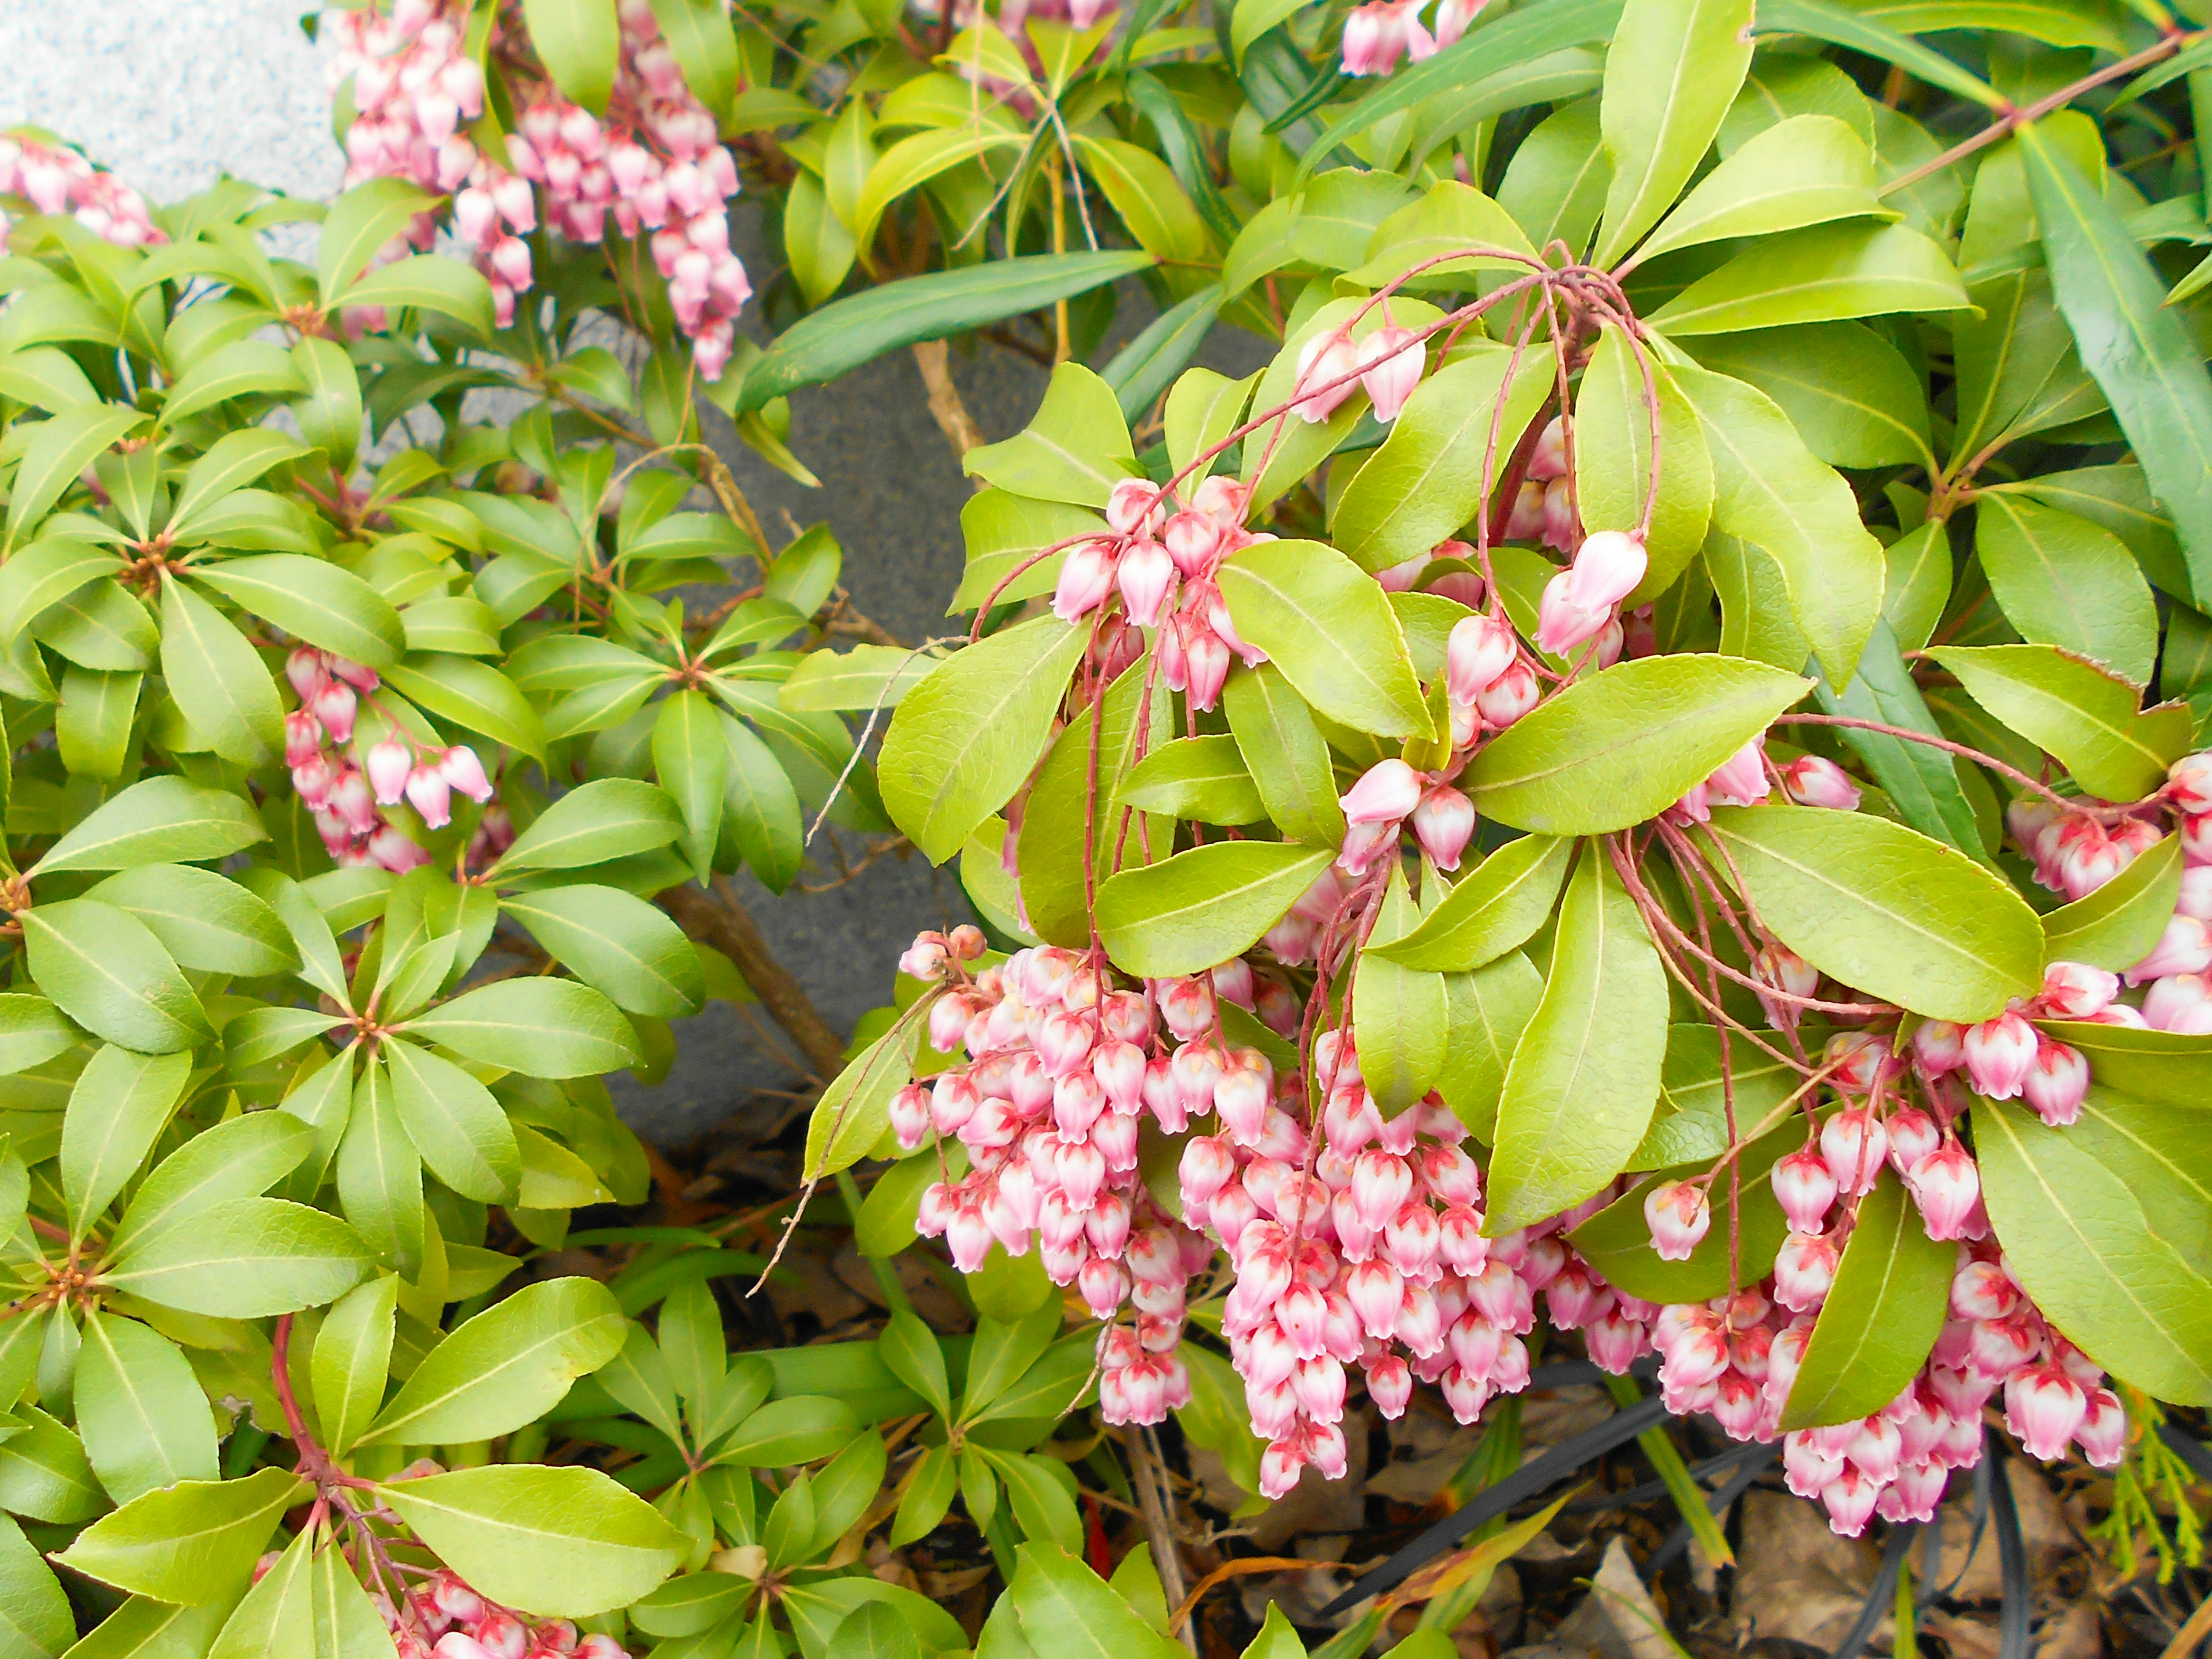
459,1644
351,800
1136,505
303,738
1804,1270
1086,577
1561,623
333,705
1512,694
428,794
1148,577
2188,783
1386,792
1982,1290
596,1646
1607,567
1443,823
1392,359
1999,1053
2058,1082
1850,1499
1679,1216
1480,649
1782,968
1854,1145
1811,780
1328,363
1548,460
502,1635
1741,780
1206,660
2181,1003
2102,1433
2185,947
1947,1186
388,765
1939,1048
1806,1188
460,768
1194,541
1912,1136
1374,38
393,851
2044,1406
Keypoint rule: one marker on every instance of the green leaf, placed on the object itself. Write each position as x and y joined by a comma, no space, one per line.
1070,449
2135,347
47,571
1450,218
507,1366
240,1158
429,282
1143,190
191,1543
245,1259
1401,1016
1884,908
1620,747
380,1173
698,32
44,1475
854,1110
1817,275
875,1630
1892,1295
1144,367
316,600
2107,1223
843,336
1065,811
910,1349
462,1134
561,1542
1769,490
218,679
617,944
2117,925
862,677
1329,627
1285,754
232,462
1617,1241
307,1602
1203,906
797,1429
1586,1072
1612,462
31,1032
59,449
1445,454
106,969
1801,170
1920,781
161,820
1493,908
1487,1011
1691,1125
539,1027
596,822
966,738
351,1359
2086,716
329,411
1202,778
35,1620
145,1422
1067,1610
1845,26
204,921
1851,396
364,219
1671,71
2064,581
120,1105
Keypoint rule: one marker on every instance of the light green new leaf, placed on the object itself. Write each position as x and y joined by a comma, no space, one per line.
1586,1073
561,1542
1329,627
351,1361
429,282
1884,909
1612,461
35,1620
1618,747
240,1159
461,1131
1769,490
316,600
1075,449
2088,717
232,462
218,679
362,221
963,740
1202,778
1067,1610
616,943
161,820
144,1418
1203,906
1492,908
538,1027
1671,72
506,1366
59,449
1853,398
2064,581
863,677
2107,1223
204,921
1285,754
1892,1295
121,1103
854,1110
1801,170
106,969
191,1543
596,822
1817,275
244,1258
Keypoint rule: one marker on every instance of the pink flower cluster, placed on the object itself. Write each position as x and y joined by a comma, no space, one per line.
1063,1065
344,798
1377,34
463,1625
1162,558
655,163
1387,365
57,180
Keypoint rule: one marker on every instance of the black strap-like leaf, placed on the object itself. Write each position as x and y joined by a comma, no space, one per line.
2017,1610
1759,1460
1881,1595
1558,1464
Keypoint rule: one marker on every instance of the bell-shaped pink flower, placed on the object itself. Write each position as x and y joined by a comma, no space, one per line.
1443,823
1479,649
1561,623
2057,1083
1607,567
388,765
1999,1053
1812,781
333,705
2073,990
2044,1406
1548,460
1328,363
2185,947
2182,1002
1947,1185
460,768
1804,1271
429,794
2188,783
1679,1215
1386,792
1741,780
1510,696
1392,359
1086,577
2102,1434
1374,38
